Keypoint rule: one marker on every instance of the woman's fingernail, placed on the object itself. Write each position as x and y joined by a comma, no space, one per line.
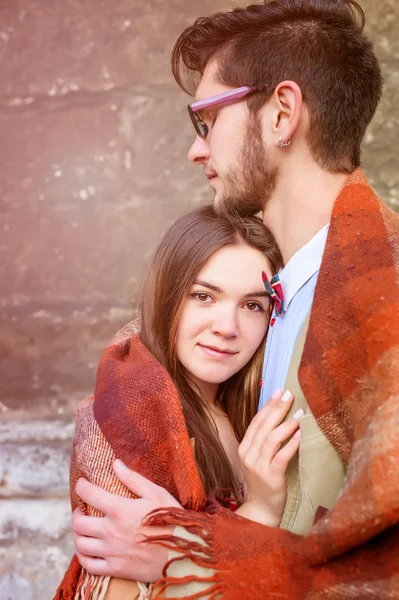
297,435
286,396
299,413
121,465
276,395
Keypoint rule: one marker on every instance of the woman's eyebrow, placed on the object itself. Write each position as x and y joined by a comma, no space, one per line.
215,288
262,294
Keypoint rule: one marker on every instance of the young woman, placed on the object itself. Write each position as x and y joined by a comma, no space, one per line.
175,401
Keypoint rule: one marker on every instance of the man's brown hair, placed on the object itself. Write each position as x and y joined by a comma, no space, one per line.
319,44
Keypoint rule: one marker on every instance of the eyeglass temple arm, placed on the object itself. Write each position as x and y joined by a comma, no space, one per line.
222,98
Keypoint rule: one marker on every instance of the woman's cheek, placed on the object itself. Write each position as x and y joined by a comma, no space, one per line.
257,334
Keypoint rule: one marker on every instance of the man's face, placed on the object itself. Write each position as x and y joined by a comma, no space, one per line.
234,156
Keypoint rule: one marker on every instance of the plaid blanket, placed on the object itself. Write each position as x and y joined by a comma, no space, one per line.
135,416
349,374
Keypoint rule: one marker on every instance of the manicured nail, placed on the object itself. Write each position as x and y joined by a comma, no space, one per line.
286,396
299,413
119,464
297,434
276,395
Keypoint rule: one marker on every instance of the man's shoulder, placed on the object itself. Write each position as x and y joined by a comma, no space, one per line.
361,219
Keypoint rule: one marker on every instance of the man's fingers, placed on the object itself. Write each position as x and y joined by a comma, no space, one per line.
95,496
89,546
85,525
136,483
95,566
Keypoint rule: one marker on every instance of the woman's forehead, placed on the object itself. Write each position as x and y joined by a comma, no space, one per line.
241,265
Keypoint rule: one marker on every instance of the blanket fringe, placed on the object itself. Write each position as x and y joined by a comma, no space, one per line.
194,523
92,587
95,587
198,553
213,592
145,590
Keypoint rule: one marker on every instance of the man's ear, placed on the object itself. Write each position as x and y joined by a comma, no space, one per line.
288,104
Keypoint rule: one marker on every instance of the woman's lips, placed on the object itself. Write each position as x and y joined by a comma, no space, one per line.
217,352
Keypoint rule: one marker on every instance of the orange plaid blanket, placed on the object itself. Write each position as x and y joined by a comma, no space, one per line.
349,374
135,416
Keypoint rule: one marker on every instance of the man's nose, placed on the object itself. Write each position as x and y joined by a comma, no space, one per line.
199,152
225,323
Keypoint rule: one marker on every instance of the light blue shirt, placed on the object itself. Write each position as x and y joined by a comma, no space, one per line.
299,278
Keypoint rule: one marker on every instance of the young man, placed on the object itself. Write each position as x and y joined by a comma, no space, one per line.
302,85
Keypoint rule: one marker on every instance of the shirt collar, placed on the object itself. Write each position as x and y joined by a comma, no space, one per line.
303,265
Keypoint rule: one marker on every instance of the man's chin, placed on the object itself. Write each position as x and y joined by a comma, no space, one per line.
218,203
226,206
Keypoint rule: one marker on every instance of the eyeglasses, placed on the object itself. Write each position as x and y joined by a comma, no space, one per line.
194,109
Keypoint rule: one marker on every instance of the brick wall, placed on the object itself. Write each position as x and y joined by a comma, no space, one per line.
93,170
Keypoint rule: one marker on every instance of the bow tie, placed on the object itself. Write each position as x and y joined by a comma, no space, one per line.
275,290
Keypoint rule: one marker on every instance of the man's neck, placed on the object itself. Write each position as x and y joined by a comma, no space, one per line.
301,205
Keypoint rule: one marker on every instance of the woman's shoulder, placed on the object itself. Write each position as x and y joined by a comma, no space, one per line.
128,331
84,419
84,406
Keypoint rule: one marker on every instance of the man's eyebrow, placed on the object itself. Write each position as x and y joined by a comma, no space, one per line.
215,288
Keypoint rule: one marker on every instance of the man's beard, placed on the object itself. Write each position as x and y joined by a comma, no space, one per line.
254,179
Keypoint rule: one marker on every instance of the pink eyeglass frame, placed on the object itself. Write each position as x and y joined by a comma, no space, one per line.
200,127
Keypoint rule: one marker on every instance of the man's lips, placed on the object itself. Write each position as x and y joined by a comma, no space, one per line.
217,352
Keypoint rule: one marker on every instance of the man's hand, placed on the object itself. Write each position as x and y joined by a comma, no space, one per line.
111,545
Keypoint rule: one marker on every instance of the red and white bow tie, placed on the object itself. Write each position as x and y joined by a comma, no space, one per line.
275,290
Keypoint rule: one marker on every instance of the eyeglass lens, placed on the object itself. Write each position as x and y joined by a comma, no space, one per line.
200,127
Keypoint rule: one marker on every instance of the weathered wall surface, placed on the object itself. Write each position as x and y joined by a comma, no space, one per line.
93,169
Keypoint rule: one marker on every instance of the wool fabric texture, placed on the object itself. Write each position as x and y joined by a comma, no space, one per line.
349,374
136,416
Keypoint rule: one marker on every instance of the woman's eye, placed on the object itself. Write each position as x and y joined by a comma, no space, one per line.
254,307
202,297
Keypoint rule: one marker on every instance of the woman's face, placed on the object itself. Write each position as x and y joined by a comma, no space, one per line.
224,317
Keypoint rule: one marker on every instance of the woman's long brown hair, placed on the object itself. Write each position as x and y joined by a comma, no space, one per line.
184,250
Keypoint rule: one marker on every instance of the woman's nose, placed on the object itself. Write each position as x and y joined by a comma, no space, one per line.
226,323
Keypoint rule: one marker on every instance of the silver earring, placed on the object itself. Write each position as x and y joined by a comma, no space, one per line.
282,144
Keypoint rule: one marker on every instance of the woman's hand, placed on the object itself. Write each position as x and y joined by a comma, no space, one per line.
265,459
